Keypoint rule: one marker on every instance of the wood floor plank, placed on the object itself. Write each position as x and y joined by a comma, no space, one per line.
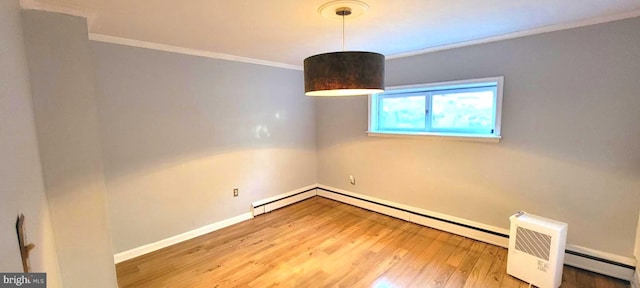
323,243
569,277
586,280
387,251
460,276
458,254
436,273
481,269
498,268
408,268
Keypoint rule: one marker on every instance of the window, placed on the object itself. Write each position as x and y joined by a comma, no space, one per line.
465,109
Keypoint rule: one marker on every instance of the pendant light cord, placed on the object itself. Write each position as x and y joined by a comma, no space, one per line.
343,11
343,14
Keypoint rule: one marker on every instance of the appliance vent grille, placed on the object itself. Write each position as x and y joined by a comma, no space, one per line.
533,243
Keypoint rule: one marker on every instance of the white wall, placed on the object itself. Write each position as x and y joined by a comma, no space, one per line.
21,184
180,132
571,143
63,90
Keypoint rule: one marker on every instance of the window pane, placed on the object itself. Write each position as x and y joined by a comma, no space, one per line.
462,110
402,113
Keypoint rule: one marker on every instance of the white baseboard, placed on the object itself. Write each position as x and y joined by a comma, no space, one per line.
581,257
139,251
635,282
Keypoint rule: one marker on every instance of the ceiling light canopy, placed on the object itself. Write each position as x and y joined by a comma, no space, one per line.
344,73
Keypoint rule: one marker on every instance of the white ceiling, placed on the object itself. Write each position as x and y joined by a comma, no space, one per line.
287,31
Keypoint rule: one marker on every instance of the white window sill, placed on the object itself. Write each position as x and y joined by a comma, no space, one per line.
444,136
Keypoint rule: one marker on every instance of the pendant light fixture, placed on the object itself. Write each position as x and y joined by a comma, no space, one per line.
343,73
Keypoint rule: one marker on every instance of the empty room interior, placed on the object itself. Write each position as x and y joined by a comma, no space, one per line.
317,143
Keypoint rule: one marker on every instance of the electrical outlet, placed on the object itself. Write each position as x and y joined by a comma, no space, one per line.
236,192
352,180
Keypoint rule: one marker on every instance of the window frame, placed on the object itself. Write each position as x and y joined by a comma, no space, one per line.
428,89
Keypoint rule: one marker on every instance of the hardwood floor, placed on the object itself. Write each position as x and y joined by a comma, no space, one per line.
324,243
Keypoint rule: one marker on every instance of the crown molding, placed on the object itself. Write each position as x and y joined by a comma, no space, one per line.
187,51
522,33
57,8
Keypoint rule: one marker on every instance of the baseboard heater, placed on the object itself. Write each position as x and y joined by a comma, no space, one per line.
283,200
275,203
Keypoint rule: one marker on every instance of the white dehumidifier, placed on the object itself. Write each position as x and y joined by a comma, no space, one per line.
536,249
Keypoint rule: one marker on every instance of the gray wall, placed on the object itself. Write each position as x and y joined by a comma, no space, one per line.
63,90
180,132
21,184
571,140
